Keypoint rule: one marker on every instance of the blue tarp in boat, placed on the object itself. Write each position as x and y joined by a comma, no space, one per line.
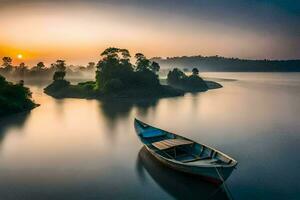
152,133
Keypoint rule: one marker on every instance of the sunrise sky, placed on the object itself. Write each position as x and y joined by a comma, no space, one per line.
78,31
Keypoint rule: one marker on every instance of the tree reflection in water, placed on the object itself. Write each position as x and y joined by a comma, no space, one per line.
10,122
121,108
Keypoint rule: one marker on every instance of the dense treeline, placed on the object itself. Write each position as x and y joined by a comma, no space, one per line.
115,72
40,70
14,97
217,63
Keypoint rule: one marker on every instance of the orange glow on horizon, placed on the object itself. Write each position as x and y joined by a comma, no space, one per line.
79,33
20,56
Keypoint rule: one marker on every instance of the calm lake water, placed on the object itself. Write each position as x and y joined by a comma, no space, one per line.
87,149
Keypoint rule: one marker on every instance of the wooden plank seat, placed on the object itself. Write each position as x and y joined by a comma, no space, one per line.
170,143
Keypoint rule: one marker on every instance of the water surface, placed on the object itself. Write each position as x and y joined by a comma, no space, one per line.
87,149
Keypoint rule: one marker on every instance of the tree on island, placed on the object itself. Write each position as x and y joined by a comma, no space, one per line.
146,70
179,79
195,71
116,73
143,64
60,70
113,70
175,77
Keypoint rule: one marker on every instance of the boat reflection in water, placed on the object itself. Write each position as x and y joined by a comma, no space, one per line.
178,184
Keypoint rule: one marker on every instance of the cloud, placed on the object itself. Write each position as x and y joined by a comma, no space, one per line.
274,24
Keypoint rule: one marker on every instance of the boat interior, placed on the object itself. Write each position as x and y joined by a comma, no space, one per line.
178,148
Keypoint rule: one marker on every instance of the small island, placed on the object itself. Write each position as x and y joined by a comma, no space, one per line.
14,98
193,83
117,77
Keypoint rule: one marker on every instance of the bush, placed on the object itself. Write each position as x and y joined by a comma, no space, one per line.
14,98
57,85
146,79
194,81
89,85
113,85
189,83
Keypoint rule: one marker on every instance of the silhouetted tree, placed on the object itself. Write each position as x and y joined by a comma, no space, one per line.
22,65
14,97
142,63
40,66
7,64
60,72
175,77
114,69
195,71
155,67
21,82
115,72
190,83
21,70
60,65
6,61
91,66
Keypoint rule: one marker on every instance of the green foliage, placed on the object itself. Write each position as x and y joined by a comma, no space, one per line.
113,85
176,77
189,83
146,79
14,97
142,63
59,84
115,72
88,85
116,76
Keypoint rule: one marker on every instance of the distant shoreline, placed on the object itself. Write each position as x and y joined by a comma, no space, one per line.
223,64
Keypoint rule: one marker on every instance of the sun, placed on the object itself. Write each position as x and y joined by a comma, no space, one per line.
20,56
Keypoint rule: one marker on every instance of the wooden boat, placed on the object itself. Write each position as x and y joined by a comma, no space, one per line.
184,154
190,186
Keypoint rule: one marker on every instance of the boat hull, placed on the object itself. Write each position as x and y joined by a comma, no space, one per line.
215,175
213,165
